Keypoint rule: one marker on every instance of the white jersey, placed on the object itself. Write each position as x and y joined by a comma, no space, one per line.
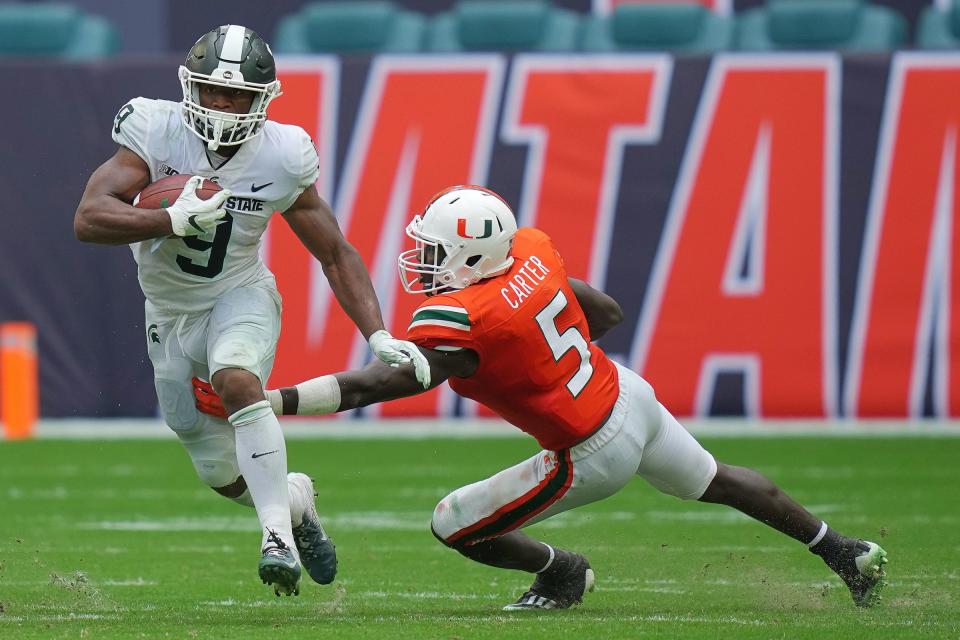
267,174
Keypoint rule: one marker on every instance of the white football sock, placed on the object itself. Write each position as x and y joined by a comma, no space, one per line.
262,458
298,501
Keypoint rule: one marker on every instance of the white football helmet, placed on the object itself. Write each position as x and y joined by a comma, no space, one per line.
464,235
234,57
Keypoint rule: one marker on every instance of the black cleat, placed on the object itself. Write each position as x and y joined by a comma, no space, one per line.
316,549
861,567
559,587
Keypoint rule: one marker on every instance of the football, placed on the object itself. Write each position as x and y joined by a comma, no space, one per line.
164,192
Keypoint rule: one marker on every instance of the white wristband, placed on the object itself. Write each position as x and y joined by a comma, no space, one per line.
318,396
275,400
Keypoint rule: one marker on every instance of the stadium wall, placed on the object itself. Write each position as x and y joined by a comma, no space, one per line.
780,230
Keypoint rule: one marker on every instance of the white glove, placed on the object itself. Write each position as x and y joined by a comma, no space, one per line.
191,216
396,352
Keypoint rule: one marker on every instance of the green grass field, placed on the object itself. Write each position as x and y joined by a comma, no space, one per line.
118,539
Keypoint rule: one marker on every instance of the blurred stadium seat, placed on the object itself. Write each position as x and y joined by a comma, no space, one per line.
661,26
852,25
939,28
54,31
350,27
499,25
723,7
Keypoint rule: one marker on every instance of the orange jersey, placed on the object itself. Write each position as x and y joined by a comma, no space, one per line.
538,368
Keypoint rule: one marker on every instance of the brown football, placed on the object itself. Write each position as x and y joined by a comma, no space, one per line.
165,191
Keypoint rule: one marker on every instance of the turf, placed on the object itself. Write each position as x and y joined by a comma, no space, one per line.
118,539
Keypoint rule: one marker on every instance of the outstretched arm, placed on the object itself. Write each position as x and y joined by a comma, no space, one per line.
377,382
603,312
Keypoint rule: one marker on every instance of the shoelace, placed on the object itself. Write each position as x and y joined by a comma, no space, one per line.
277,540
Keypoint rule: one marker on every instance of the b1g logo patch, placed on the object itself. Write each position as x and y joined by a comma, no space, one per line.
167,170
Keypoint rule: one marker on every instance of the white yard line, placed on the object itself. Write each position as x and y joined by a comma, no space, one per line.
64,617
644,589
418,520
403,428
174,524
128,582
424,595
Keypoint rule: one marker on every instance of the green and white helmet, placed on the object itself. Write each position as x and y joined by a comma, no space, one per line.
235,57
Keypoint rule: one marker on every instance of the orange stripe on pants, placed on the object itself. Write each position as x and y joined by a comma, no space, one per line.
19,396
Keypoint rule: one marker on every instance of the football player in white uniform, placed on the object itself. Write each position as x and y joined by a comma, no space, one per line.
212,307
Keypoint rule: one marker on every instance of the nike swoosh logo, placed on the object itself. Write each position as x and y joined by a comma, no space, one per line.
254,188
260,455
192,221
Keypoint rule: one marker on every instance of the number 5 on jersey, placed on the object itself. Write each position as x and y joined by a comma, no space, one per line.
560,343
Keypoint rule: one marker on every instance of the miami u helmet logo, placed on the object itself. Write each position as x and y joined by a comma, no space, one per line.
462,229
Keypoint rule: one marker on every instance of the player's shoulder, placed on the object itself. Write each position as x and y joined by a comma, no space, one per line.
531,243
280,131
147,110
288,138
443,311
530,237
142,123
443,322
293,146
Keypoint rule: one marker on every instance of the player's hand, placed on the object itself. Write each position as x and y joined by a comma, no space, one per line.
207,400
397,352
191,216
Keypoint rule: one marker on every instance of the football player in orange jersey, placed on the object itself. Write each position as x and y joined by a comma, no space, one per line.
506,326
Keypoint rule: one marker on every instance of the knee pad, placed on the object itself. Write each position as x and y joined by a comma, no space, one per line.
439,537
212,450
235,353
177,404
444,522
216,473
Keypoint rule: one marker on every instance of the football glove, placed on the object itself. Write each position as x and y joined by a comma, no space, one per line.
396,352
207,400
191,216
